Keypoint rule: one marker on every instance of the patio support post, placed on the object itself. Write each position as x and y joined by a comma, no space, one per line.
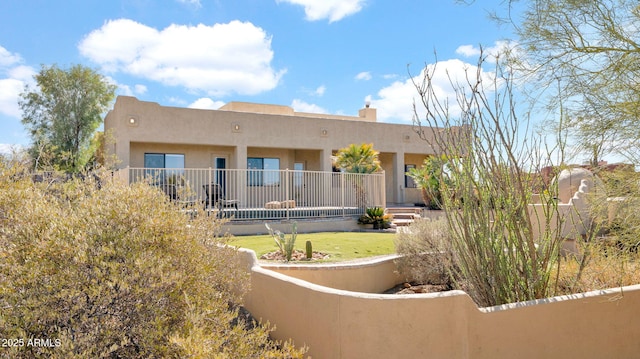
240,164
286,191
325,160
342,189
398,178
208,200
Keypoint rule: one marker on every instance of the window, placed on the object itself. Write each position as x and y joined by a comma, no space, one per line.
408,181
163,160
174,163
266,171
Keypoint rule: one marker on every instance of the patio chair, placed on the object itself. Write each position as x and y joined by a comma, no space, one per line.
214,197
169,190
175,195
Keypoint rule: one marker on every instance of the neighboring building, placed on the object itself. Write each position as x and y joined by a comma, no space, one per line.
255,136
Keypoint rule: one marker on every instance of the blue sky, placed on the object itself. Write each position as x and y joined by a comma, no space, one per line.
326,56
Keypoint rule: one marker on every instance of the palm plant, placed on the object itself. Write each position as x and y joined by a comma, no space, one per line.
427,179
359,159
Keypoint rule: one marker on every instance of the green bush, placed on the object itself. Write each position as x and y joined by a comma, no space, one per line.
377,217
427,177
117,271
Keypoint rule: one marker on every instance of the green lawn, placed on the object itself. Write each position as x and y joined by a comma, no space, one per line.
340,246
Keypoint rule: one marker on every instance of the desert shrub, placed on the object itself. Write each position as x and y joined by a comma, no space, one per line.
118,271
427,255
606,268
622,227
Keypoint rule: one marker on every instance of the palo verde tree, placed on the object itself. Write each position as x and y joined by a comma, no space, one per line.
587,53
62,114
487,186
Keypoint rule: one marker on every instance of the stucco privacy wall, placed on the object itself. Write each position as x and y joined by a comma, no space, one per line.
138,127
337,323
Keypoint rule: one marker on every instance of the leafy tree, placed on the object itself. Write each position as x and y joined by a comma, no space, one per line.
116,271
360,158
589,52
63,113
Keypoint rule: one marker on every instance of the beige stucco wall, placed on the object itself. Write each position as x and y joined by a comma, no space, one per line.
413,195
339,323
139,126
340,224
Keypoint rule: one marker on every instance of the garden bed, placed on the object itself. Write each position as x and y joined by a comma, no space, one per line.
296,256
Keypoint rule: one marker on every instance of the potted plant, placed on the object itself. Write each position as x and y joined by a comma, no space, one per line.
376,217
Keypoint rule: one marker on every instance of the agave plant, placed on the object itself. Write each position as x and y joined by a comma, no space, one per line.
284,243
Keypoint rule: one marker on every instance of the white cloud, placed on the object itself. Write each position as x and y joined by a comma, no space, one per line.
140,89
318,91
500,48
205,103
301,106
10,90
333,10
5,148
468,50
22,73
7,58
10,148
195,3
177,101
395,102
126,90
13,78
365,76
219,59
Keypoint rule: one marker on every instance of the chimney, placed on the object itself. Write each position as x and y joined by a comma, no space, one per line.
368,113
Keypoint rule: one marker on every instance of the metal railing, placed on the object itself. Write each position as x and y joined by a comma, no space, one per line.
248,194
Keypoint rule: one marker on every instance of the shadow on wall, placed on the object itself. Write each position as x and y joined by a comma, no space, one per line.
344,321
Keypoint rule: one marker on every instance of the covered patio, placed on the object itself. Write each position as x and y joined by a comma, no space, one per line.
252,194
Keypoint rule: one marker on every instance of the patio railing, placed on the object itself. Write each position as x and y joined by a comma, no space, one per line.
251,194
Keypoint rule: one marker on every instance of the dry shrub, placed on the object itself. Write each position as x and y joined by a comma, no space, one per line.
117,271
426,251
606,267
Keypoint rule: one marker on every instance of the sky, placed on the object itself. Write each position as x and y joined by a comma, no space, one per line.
322,56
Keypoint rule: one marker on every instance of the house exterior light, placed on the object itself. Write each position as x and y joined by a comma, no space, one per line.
133,121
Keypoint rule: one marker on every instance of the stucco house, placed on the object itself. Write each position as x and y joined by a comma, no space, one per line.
247,136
